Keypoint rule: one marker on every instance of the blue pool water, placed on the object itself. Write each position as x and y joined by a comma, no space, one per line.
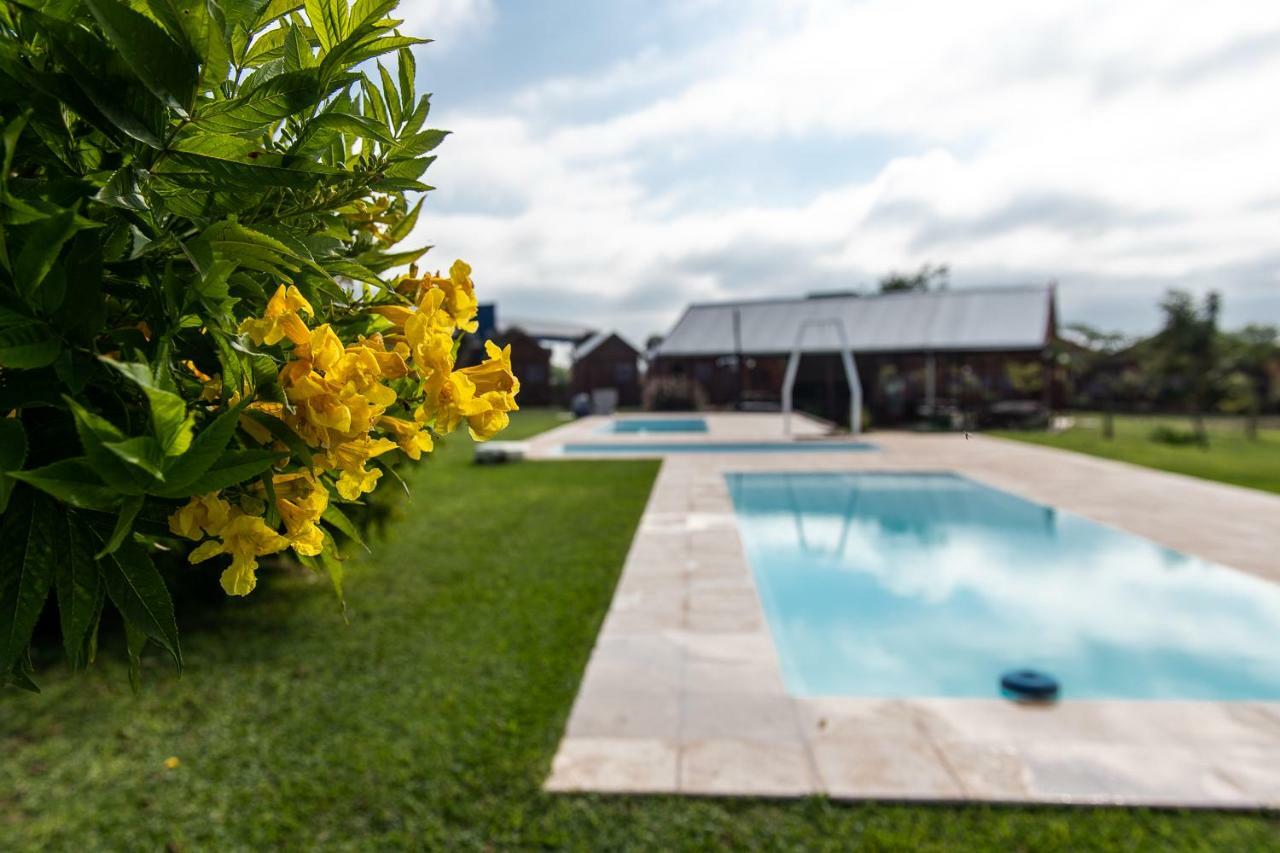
914,585
634,425
657,448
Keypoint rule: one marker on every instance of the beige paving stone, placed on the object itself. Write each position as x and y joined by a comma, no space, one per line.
856,719
745,768
883,767
631,765
641,711
723,622
703,676
754,716
988,771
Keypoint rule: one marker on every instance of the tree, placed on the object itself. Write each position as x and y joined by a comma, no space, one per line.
1247,359
928,278
1096,359
202,351
1185,352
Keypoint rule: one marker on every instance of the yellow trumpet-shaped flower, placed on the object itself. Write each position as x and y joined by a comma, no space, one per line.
449,398
301,500
411,437
460,295
350,457
494,378
281,319
245,538
486,425
323,348
429,334
206,514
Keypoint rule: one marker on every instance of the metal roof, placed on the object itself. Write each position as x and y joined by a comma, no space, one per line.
551,330
973,319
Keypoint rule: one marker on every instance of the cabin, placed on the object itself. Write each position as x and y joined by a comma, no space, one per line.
984,353
607,360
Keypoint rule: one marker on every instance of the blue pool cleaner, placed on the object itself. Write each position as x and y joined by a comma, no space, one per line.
1027,685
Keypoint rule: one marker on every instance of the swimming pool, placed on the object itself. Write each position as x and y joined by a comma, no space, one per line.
660,448
932,585
634,425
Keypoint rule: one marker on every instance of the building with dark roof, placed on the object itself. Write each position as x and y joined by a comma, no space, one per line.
607,360
980,350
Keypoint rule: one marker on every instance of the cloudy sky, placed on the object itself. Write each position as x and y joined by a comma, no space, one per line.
613,161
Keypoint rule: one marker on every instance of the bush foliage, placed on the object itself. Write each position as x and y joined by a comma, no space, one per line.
200,338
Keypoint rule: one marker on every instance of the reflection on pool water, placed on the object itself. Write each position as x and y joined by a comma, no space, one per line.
633,425
914,585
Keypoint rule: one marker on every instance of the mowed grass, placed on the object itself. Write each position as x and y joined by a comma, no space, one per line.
1231,457
430,721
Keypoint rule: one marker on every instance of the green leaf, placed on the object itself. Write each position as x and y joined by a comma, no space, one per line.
13,454
268,103
389,95
420,143
142,452
124,525
340,522
26,572
408,70
72,481
121,190
140,594
170,420
205,449
321,129
135,640
96,433
269,45
79,586
43,243
402,228
231,468
163,66
329,20
200,171
28,344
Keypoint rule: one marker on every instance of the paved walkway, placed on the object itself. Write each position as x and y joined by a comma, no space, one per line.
684,691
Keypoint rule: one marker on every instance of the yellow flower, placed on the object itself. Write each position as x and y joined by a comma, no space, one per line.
212,385
486,425
172,762
429,333
496,386
412,438
323,348
397,314
245,538
350,458
450,397
281,319
461,295
301,500
201,515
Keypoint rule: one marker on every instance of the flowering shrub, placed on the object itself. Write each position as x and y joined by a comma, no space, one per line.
200,346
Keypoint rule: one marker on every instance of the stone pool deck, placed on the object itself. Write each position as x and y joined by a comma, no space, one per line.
684,690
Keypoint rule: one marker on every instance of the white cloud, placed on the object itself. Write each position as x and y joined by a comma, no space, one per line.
1118,148
446,20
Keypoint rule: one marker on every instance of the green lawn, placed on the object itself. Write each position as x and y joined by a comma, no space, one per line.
430,721
1229,458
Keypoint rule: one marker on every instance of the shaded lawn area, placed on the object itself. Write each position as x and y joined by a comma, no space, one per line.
1229,458
431,720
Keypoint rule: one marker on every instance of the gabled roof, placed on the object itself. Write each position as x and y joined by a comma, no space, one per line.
1009,318
592,343
551,330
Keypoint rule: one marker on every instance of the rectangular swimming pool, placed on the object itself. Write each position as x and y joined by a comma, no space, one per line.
932,585
660,448
641,425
